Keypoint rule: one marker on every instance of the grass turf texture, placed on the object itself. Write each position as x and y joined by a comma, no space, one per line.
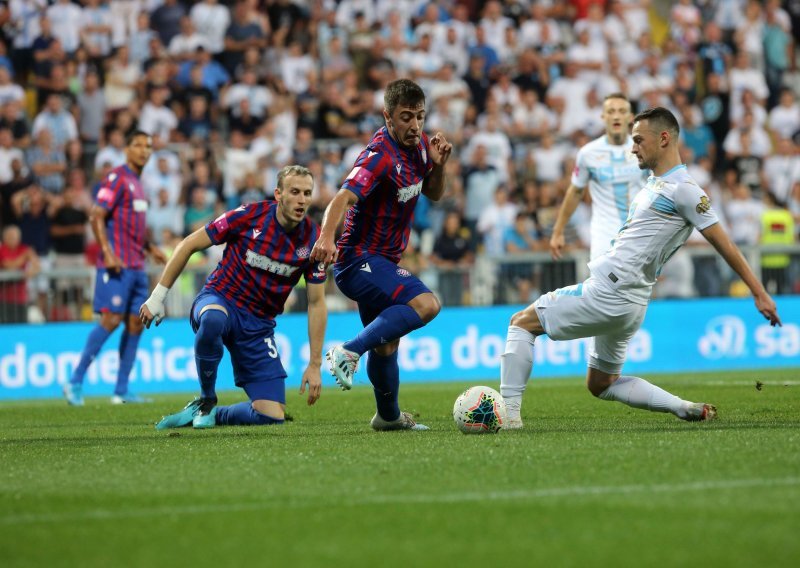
587,482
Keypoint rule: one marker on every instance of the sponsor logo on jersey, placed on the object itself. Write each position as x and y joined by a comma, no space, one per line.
405,194
704,206
265,263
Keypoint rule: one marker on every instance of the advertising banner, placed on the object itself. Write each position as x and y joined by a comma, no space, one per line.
461,344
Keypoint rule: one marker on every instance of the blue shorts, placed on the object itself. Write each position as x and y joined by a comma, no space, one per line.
120,293
250,340
376,283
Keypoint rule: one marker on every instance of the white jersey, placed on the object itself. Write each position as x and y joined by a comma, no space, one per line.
614,178
660,220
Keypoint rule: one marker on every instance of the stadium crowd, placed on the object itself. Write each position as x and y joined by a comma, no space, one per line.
233,91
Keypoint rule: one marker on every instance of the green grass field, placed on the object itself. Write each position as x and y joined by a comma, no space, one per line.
587,483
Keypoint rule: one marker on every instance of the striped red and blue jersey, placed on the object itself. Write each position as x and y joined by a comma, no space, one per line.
262,261
387,178
122,196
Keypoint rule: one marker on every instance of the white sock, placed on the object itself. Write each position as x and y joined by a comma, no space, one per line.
516,364
638,393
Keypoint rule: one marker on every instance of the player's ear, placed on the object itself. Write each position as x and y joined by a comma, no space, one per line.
277,193
387,117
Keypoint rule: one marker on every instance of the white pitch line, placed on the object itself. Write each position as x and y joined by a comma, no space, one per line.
401,499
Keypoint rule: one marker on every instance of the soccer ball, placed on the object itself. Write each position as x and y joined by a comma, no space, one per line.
480,409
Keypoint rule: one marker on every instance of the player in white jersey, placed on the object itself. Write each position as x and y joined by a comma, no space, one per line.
611,172
610,305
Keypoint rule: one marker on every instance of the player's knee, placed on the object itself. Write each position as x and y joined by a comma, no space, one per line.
212,324
528,320
387,348
110,321
134,325
597,382
428,308
268,412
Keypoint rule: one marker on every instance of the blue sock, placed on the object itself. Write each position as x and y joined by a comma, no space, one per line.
243,414
384,374
392,323
127,358
208,350
93,345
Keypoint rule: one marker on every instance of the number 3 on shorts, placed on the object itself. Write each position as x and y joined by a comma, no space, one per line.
272,350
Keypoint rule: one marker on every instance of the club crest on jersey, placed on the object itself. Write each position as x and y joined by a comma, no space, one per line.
704,206
302,252
405,194
265,263
403,272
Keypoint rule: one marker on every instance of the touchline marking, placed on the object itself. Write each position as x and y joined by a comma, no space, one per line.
463,497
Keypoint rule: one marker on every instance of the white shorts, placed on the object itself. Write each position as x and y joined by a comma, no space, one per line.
590,310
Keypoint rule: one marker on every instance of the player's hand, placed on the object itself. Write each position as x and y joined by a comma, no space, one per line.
157,254
324,250
312,378
766,305
440,149
153,309
556,246
112,262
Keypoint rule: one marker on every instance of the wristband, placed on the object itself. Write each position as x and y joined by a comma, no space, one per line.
160,292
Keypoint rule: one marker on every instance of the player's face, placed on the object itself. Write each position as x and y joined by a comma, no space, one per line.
617,116
646,144
406,123
139,150
294,198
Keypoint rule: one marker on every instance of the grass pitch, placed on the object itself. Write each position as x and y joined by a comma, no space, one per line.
587,483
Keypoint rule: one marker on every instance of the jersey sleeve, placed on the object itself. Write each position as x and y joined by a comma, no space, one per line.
695,206
110,192
231,224
370,168
580,174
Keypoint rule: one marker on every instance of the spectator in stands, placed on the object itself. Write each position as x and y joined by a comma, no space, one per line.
8,153
777,228
164,215
9,90
31,208
68,224
259,97
196,125
162,177
19,180
57,121
200,211
211,74
241,34
521,238
453,254
113,152
697,137
166,20
47,162
481,182
493,221
14,255
183,46
91,109
211,20
139,41
156,117
784,119
96,30
123,75
743,213
782,170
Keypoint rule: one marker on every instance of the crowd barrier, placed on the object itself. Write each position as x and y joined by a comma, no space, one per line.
678,336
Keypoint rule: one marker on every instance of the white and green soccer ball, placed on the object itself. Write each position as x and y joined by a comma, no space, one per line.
480,410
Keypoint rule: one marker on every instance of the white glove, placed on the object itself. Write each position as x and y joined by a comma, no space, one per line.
155,303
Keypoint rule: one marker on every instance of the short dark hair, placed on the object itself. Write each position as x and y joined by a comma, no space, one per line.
135,134
402,92
617,95
293,170
661,118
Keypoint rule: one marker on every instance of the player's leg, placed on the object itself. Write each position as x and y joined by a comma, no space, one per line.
211,322
258,370
107,297
516,362
128,345
136,285
402,303
605,382
384,374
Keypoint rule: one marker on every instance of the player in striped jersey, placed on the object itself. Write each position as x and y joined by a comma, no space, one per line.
611,304
118,223
377,202
268,248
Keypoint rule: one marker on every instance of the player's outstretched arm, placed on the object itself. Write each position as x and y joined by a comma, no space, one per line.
720,240
325,248
440,148
568,206
317,322
153,308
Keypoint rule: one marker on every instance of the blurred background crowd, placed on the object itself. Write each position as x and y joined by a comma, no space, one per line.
233,90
